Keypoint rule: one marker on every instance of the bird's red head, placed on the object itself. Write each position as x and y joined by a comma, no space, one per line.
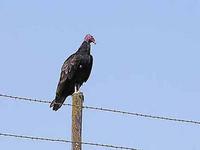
89,38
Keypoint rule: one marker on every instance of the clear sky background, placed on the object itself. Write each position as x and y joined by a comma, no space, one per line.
146,60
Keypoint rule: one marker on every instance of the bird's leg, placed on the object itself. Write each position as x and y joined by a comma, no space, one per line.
78,87
75,88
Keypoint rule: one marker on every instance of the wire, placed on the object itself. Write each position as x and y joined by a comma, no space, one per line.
63,141
108,110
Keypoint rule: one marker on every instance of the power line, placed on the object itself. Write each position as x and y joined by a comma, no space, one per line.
108,110
63,141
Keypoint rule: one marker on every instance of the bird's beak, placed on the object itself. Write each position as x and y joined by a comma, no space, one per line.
93,41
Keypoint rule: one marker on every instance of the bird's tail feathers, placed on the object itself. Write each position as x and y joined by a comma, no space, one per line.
56,105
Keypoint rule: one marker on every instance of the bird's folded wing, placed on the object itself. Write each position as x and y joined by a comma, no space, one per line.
68,71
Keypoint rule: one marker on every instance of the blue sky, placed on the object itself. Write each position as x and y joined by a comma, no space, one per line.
146,60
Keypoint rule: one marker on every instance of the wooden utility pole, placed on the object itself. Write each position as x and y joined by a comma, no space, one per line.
77,104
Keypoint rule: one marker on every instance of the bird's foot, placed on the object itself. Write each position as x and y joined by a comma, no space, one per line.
77,91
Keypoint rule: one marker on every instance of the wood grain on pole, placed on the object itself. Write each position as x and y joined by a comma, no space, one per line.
77,102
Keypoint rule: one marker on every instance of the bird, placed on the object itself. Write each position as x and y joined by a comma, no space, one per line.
74,72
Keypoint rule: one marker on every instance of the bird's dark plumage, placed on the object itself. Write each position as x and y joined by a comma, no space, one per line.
75,70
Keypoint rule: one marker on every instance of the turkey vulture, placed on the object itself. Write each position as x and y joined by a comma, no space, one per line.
75,70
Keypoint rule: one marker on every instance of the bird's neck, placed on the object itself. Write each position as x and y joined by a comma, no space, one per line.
84,48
